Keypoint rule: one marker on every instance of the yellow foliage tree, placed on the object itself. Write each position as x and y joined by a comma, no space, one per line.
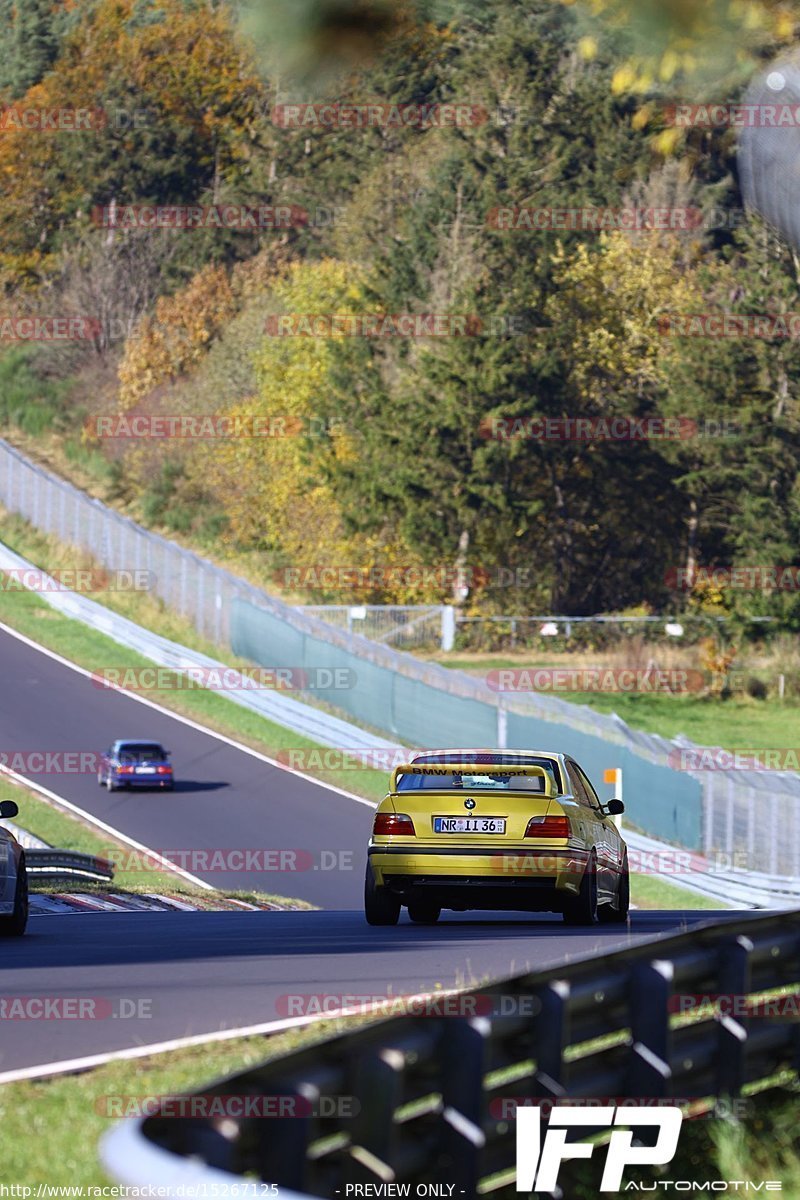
687,38
173,341
607,306
272,487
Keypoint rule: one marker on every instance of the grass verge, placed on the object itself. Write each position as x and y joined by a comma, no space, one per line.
61,829
39,1119
740,722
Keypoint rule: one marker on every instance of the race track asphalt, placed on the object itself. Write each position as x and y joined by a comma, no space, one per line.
225,798
183,974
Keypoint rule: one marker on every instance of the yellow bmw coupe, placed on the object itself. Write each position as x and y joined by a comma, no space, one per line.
514,830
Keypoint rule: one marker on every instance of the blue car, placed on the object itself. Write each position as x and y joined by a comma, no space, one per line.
132,762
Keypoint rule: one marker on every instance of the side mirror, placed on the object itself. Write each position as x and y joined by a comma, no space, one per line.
615,808
8,808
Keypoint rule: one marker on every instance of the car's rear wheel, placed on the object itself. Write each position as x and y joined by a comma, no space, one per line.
14,925
110,785
582,910
380,906
424,914
618,914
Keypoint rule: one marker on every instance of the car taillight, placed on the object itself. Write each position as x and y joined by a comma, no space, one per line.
389,823
547,827
164,770
124,770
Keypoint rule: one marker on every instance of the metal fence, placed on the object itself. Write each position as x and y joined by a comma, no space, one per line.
433,1097
406,625
753,816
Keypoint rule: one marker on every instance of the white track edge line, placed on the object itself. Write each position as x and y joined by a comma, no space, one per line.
221,737
60,802
89,1062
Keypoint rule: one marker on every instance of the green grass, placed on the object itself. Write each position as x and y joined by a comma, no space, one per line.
736,723
652,893
50,1129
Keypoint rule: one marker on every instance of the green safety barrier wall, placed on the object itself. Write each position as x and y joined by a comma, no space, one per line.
663,803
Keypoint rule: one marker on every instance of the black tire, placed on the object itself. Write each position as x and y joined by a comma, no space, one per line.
14,926
583,909
617,914
424,914
380,906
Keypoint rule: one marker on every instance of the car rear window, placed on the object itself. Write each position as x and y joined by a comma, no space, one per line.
145,752
511,760
494,782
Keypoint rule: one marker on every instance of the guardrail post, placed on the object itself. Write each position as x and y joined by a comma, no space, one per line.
734,980
378,1084
283,1141
551,1037
463,1050
649,1072
448,627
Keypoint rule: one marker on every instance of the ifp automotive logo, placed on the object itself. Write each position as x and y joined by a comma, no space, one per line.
538,1165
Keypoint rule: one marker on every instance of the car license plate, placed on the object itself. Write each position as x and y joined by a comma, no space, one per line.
145,770
469,824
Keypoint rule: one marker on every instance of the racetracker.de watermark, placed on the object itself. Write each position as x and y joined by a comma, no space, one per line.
199,216
529,219
341,578
376,114
236,1107
647,680
74,579
233,860
50,762
726,115
744,579
75,1008
61,328
730,325
226,679
702,758
603,429
443,1004
197,426
737,1005
504,1108
374,325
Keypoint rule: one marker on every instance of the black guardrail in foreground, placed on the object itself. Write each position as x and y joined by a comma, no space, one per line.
67,864
431,1092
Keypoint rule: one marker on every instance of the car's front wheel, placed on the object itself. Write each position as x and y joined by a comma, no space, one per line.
380,906
582,910
14,925
424,914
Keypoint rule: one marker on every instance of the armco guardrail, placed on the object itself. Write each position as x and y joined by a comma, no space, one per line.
735,812
67,864
432,1097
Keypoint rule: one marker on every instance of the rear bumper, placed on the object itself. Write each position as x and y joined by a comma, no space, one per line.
515,877
143,781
